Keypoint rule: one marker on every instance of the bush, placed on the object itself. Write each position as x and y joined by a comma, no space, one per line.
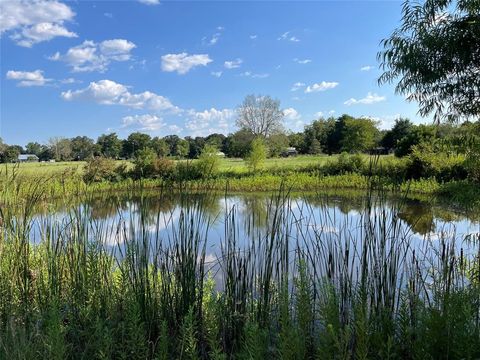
345,164
208,163
102,169
187,170
145,164
164,169
257,155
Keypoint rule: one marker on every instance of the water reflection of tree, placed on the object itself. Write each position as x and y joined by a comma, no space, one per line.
419,217
255,212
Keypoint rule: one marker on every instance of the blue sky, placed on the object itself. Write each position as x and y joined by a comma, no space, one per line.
87,67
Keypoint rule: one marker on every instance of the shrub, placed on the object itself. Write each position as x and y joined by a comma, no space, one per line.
187,170
345,164
102,169
208,162
145,163
164,169
257,155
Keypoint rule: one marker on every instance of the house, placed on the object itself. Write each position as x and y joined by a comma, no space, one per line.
289,151
27,158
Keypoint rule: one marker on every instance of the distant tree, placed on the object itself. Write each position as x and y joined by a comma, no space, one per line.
33,148
46,153
277,143
82,148
297,140
61,148
435,56
358,135
400,129
417,135
216,140
172,141
134,143
10,153
181,149
238,144
160,146
257,154
261,115
110,145
195,146
317,135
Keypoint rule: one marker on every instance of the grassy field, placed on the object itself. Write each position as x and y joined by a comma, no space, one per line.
226,165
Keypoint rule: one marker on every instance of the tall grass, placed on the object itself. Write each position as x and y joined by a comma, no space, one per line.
301,286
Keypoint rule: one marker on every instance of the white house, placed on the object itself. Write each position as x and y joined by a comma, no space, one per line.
27,158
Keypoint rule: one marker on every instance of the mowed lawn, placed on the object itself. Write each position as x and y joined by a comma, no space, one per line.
226,165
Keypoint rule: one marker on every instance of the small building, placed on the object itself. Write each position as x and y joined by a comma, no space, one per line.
27,158
290,151
220,154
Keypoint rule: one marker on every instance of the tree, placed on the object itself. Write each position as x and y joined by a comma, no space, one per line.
33,148
61,148
261,115
82,147
417,135
400,129
160,146
358,135
277,143
110,145
181,149
208,161
238,144
317,136
10,153
135,142
435,57
257,155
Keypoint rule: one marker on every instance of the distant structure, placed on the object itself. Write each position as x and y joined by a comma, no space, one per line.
289,151
27,158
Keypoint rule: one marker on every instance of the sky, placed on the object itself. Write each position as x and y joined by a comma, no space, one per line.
164,67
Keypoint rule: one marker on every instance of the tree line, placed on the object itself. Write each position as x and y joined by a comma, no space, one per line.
323,136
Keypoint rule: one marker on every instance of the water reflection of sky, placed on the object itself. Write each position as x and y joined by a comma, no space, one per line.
155,218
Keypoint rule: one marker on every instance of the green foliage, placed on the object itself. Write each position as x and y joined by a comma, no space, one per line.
257,155
435,55
345,164
208,162
144,162
110,145
358,135
102,169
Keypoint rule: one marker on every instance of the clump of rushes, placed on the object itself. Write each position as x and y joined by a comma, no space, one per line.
297,287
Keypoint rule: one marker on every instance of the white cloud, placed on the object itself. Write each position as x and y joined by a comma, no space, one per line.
108,92
288,37
216,73
175,129
318,114
28,78
183,63
291,114
146,122
254,75
297,86
371,98
206,122
253,37
233,64
109,15
34,21
304,61
91,56
366,68
321,86
149,2
215,37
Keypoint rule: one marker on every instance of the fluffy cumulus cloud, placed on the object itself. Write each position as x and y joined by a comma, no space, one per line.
92,56
146,122
233,64
31,22
291,114
321,86
183,63
366,68
288,37
297,86
371,98
28,78
108,92
201,123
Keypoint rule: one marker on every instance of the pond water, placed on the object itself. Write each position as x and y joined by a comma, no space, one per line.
155,216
